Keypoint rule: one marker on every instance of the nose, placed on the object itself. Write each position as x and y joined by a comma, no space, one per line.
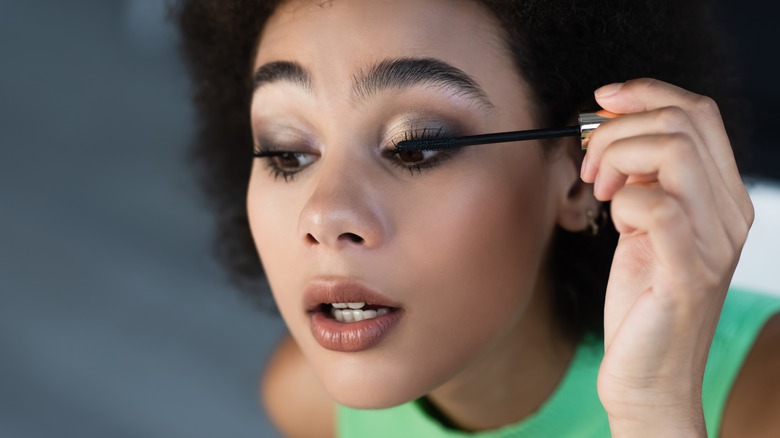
343,211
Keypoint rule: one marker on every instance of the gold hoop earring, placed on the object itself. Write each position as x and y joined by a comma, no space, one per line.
593,226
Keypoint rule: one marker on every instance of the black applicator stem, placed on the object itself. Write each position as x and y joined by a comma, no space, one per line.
431,144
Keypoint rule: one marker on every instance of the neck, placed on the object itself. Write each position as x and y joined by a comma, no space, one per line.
513,379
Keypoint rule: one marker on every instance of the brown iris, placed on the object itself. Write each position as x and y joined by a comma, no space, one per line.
288,160
411,157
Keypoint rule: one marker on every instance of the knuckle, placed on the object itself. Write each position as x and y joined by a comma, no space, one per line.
750,214
742,230
742,214
619,200
742,227
671,118
680,146
714,264
608,152
665,212
707,106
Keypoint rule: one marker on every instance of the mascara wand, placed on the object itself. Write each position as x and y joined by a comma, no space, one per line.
588,121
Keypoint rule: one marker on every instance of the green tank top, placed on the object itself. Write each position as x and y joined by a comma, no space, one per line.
574,409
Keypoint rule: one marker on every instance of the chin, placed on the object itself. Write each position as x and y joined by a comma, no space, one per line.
369,384
369,397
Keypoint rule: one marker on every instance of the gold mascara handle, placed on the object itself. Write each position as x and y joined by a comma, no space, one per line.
591,120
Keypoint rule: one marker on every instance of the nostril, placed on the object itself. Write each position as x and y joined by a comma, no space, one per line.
352,237
311,239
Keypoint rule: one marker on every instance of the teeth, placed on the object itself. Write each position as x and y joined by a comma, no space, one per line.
354,315
350,305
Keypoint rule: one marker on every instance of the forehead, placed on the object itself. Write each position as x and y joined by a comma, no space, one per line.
349,34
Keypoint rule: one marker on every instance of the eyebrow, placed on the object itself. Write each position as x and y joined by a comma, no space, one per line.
396,74
282,71
389,74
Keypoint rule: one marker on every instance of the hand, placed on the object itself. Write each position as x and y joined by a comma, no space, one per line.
683,215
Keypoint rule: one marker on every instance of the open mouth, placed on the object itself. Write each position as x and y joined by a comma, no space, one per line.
346,316
354,312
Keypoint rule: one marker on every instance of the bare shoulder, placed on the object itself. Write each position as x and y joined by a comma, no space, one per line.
753,407
294,399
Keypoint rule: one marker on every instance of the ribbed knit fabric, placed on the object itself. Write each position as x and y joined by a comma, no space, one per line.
574,409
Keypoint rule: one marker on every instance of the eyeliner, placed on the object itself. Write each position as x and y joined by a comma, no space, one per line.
588,121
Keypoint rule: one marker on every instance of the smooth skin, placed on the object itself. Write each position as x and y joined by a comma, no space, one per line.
683,214
476,317
678,201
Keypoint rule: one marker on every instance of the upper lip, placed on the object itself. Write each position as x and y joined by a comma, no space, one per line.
326,290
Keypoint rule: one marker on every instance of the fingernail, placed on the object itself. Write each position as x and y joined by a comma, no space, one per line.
608,90
584,168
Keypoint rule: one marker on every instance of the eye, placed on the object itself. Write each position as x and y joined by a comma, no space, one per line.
417,161
415,157
285,148
285,164
291,160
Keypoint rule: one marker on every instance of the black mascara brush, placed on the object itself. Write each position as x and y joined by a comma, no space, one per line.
587,123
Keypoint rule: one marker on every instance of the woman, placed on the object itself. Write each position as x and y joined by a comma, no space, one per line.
440,293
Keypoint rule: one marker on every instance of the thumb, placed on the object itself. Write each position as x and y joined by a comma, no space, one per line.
643,94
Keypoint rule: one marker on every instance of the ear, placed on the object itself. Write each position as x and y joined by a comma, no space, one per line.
575,199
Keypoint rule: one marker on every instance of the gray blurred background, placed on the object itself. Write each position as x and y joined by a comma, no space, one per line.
115,321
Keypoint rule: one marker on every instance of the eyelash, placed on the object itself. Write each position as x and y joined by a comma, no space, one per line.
270,154
417,134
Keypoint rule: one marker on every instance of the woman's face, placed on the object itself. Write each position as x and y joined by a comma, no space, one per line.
445,249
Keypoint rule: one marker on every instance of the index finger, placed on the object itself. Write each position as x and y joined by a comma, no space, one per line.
645,94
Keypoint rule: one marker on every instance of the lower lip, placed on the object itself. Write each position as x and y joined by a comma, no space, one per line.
353,336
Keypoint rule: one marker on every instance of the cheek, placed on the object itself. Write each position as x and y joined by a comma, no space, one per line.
490,219
463,257
474,233
474,254
273,209
268,219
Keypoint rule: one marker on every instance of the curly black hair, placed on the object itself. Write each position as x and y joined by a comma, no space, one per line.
563,49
